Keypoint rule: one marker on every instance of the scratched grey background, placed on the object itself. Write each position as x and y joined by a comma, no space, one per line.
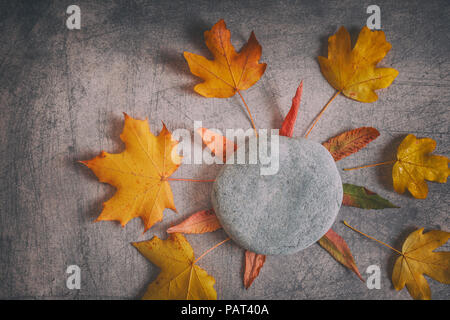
62,94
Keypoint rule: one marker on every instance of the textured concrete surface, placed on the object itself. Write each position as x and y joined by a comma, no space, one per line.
286,211
62,94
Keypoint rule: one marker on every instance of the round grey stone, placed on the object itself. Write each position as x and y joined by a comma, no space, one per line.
285,212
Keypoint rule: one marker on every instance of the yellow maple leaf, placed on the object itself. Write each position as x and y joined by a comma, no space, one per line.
230,71
139,174
417,258
354,72
180,277
415,164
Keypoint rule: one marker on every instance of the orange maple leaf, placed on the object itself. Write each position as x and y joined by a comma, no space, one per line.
140,174
230,71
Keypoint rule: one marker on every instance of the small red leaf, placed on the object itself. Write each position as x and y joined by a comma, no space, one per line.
338,248
350,142
200,222
287,128
253,264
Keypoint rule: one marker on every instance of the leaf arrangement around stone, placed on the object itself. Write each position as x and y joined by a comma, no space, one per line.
142,172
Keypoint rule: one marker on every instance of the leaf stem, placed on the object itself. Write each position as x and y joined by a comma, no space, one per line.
372,238
210,249
370,165
249,113
321,113
192,180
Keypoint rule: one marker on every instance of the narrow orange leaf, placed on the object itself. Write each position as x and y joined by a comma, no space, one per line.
287,128
253,264
338,248
218,144
199,222
350,142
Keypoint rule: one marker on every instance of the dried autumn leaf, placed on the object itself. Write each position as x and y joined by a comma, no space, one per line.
139,174
415,164
253,264
360,197
199,222
417,258
354,72
350,142
229,72
287,128
218,144
338,248
180,277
